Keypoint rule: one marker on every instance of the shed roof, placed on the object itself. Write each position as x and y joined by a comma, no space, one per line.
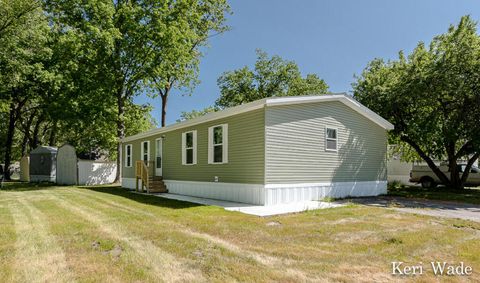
44,149
271,102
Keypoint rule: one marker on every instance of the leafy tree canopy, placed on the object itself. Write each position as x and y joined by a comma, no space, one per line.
432,97
271,76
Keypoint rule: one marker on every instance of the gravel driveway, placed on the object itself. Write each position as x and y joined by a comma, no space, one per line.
426,207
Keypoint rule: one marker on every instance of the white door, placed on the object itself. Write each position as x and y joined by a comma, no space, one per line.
158,157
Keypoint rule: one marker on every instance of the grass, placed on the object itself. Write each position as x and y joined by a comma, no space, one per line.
107,234
468,195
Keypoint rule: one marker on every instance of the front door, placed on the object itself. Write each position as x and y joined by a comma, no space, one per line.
158,157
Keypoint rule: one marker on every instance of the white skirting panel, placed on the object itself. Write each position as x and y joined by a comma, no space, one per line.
246,193
270,194
288,193
129,183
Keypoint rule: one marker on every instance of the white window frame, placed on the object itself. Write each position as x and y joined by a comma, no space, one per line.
194,148
127,155
143,152
224,144
327,138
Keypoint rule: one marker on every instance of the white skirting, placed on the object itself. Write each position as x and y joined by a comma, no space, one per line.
270,194
290,193
246,193
129,183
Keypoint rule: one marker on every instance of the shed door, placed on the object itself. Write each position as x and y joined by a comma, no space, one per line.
158,157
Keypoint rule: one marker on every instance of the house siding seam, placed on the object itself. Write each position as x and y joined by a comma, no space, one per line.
246,155
295,145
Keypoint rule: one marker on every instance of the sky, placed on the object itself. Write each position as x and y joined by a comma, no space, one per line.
334,39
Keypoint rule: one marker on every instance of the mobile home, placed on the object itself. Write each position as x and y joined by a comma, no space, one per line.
270,151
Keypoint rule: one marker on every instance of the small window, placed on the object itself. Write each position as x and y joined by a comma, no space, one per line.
331,139
146,152
189,148
128,155
217,144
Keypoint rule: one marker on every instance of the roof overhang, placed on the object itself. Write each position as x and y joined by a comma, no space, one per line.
270,102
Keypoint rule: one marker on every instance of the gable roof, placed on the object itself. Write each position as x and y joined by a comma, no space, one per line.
271,102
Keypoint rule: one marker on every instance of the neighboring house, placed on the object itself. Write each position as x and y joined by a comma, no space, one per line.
270,151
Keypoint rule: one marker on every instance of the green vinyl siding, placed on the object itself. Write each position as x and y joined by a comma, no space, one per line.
295,145
246,158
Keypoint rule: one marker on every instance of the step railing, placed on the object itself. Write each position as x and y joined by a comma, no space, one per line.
141,173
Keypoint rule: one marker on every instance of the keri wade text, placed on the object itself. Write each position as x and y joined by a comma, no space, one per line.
437,267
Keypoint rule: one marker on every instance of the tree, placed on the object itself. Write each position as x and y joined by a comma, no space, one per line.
24,36
129,44
271,77
196,113
176,37
432,97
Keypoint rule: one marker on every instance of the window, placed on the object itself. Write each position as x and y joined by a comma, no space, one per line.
128,155
189,148
331,139
146,152
218,144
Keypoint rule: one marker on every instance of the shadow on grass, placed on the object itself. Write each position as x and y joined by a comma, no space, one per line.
145,199
469,195
24,186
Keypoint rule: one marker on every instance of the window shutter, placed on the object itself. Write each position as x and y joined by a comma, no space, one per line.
184,144
194,147
225,143
210,145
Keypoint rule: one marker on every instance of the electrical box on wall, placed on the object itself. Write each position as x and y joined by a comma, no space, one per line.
216,179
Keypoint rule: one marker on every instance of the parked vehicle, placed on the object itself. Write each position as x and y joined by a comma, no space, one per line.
428,179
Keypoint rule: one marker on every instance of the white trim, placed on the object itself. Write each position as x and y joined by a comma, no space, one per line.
327,138
194,148
143,152
224,144
206,118
268,102
126,155
344,98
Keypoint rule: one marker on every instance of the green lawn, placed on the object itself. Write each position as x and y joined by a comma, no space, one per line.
469,195
105,234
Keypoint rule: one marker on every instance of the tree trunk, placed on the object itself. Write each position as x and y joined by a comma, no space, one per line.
53,135
26,132
36,130
427,159
164,108
8,145
470,162
120,131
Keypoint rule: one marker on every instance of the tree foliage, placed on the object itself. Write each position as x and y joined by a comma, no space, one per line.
432,97
196,113
131,47
52,87
271,76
